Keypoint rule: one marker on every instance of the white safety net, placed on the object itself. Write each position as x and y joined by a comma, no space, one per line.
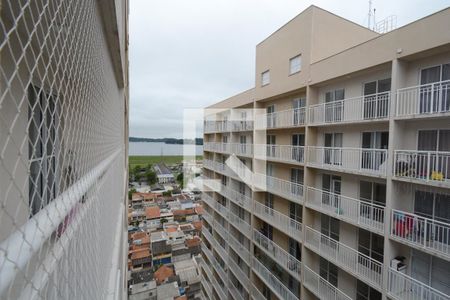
62,153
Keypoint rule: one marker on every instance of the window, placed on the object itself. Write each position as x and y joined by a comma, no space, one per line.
329,227
334,107
376,98
372,192
332,152
371,244
298,105
265,78
295,211
295,64
43,147
328,271
365,292
431,270
434,91
434,206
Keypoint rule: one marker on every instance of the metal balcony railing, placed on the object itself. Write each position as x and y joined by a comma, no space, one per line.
240,249
360,213
256,294
403,287
237,197
360,160
349,259
278,254
281,153
240,224
431,99
239,273
321,287
216,126
242,125
221,230
281,119
234,291
290,190
427,234
278,288
284,223
425,166
357,109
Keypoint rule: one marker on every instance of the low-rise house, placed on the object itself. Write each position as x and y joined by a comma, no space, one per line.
143,291
168,291
163,173
189,276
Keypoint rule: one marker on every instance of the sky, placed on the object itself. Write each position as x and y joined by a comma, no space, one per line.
192,53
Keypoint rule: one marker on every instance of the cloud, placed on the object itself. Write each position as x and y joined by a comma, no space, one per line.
191,54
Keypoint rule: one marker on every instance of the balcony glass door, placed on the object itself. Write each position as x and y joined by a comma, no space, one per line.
331,186
374,144
298,141
299,113
434,162
271,145
270,116
434,91
334,106
333,148
243,143
376,99
297,179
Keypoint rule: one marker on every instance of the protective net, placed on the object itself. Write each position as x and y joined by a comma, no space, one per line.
62,153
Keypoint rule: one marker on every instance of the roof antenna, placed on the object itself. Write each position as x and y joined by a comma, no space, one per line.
374,20
369,14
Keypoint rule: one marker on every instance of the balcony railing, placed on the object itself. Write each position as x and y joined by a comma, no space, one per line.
240,224
403,287
282,153
220,289
208,236
242,125
217,126
256,294
282,119
240,249
234,291
239,273
425,233
222,210
423,100
426,166
357,109
278,254
236,148
237,197
206,282
360,160
351,210
282,222
321,287
206,215
284,188
208,253
222,273
221,230
361,265
280,290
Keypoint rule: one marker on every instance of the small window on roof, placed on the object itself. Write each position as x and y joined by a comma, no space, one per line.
265,78
295,64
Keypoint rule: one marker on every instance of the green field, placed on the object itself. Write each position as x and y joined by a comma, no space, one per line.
145,160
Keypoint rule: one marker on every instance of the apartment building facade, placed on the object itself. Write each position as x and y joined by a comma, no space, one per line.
330,179
64,157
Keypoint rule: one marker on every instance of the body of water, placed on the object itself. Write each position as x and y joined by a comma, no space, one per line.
155,149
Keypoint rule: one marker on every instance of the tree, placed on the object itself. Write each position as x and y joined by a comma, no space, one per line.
137,173
131,192
168,193
163,220
180,179
151,177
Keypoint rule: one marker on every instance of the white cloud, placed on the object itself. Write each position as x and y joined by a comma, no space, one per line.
190,54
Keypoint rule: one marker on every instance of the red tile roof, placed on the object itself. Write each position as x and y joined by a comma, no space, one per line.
152,212
162,274
199,210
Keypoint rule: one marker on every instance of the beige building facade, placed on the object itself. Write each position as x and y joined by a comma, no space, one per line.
330,179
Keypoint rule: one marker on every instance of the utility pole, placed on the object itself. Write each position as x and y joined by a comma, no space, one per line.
369,14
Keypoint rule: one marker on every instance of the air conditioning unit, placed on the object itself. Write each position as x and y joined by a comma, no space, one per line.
398,264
